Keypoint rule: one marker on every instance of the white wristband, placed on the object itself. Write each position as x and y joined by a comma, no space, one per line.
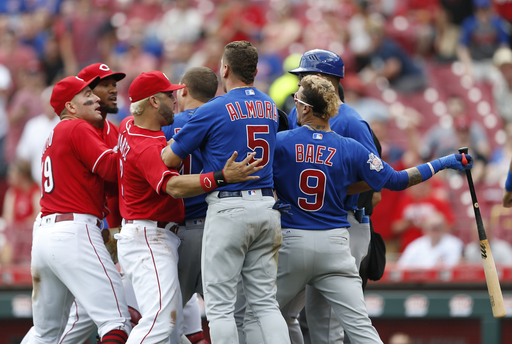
431,168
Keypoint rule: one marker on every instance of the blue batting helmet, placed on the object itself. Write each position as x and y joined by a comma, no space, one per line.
321,61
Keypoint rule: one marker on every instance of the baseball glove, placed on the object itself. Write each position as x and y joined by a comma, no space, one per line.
111,242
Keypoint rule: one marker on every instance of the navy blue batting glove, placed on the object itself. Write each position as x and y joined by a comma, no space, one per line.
456,162
283,208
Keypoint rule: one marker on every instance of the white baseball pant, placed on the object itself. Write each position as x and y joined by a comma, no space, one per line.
324,328
322,258
242,236
149,257
69,260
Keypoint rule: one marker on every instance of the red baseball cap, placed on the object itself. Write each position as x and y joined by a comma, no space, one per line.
101,70
150,83
66,89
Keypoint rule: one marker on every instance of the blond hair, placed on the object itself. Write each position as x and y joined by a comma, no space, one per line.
320,93
138,107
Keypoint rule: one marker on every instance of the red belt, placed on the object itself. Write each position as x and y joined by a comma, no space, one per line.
71,217
162,224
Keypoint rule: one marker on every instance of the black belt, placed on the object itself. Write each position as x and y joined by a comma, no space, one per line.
71,217
264,192
161,224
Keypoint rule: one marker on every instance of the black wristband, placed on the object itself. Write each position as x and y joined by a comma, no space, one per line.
219,178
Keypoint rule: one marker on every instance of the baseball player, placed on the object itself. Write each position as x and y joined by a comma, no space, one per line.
348,123
69,258
201,85
147,244
313,168
242,231
80,326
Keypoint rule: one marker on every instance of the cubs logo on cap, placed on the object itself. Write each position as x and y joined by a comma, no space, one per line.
66,89
150,83
101,70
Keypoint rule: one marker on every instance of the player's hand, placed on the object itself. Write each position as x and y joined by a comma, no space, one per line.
455,162
507,199
236,172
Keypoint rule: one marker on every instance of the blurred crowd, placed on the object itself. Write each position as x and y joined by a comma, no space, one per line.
429,76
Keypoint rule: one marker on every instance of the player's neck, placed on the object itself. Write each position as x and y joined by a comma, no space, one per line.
193,104
144,122
101,123
318,125
234,84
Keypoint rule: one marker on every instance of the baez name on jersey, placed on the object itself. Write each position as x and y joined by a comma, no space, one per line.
254,109
315,155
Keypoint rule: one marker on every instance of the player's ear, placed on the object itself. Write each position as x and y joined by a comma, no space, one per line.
184,91
256,72
225,71
153,101
70,107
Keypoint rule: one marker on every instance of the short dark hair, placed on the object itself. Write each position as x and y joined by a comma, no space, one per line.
242,59
202,83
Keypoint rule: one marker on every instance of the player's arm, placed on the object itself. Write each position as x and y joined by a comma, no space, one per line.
93,152
357,188
507,193
196,184
188,138
170,159
401,180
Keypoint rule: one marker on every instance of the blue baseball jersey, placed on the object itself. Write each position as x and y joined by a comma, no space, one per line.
348,123
243,120
194,206
312,171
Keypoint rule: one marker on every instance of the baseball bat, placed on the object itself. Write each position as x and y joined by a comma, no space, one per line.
491,275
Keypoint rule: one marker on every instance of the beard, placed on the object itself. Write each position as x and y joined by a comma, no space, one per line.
109,109
166,113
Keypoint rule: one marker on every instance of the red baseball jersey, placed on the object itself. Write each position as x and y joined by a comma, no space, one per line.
76,162
110,133
143,176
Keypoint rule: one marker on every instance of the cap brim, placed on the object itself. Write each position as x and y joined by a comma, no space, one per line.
296,71
174,88
92,83
117,76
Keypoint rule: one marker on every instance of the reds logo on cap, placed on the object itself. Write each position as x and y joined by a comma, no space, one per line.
101,70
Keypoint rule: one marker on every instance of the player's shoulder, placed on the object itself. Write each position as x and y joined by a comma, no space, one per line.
183,117
111,128
126,123
348,111
76,124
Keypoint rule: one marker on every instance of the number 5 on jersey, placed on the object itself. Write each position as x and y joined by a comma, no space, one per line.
258,144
